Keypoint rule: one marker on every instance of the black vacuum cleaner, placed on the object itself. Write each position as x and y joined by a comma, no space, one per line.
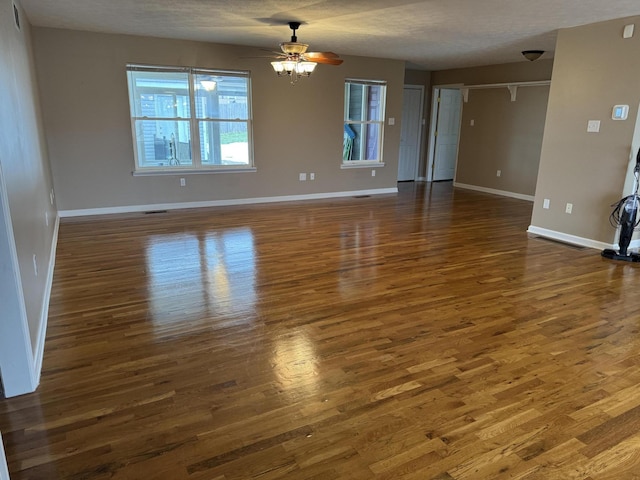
625,215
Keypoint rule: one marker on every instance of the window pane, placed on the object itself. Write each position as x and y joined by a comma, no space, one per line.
372,141
375,100
224,143
221,97
365,141
364,121
163,143
365,102
357,141
159,94
173,107
354,94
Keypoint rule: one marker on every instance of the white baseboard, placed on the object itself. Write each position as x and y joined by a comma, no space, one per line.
222,203
44,312
519,196
567,238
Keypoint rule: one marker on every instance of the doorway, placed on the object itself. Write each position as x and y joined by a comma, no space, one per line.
444,134
410,132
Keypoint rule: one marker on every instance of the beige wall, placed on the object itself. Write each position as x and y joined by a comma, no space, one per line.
25,184
423,78
595,69
506,136
523,71
296,128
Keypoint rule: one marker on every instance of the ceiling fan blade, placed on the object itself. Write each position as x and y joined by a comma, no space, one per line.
323,54
274,54
280,57
327,58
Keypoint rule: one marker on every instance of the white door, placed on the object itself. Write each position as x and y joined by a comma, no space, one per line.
446,136
410,132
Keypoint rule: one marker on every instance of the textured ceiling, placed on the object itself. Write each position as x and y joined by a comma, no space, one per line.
429,34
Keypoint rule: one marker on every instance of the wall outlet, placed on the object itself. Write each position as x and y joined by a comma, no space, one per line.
183,182
51,196
303,177
35,265
569,208
499,173
392,121
545,203
312,176
373,173
593,126
46,218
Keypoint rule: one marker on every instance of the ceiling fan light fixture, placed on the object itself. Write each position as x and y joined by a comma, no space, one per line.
306,68
532,55
293,48
296,62
278,67
294,68
289,66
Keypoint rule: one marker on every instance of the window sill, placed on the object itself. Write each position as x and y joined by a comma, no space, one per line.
200,171
362,164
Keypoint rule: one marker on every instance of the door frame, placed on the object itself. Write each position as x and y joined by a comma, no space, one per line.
421,121
17,364
433,123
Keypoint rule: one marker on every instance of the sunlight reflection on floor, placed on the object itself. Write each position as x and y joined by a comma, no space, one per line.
212,274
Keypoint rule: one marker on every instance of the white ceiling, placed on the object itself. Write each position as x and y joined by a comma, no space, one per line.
429,34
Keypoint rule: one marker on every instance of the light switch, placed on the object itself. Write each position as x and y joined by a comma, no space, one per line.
392,121
593,126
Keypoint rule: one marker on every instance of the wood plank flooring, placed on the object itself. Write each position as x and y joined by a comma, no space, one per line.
422,335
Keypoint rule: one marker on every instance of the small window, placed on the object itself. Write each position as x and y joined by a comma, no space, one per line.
189,119
364,104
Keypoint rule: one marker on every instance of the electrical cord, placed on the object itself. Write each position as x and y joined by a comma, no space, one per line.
629,203
616,215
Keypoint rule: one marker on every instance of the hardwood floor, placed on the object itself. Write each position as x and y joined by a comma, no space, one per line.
417,336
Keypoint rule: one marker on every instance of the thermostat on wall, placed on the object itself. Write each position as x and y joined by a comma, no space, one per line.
620,112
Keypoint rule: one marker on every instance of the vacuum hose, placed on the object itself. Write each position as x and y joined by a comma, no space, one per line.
625,213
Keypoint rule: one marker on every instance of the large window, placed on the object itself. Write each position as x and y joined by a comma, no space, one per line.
364,102
190,119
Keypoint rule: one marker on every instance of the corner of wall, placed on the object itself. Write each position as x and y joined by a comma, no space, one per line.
38,354
4,470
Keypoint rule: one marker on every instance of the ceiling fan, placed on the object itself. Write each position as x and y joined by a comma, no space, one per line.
296,62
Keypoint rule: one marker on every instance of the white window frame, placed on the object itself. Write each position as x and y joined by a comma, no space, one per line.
379,162
197,166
